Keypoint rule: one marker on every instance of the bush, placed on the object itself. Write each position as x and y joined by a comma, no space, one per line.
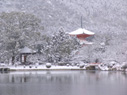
48,65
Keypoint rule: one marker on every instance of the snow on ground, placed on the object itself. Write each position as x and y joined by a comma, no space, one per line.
43,67
103,67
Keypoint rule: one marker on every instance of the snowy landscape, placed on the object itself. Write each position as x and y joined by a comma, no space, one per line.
63,47
43,27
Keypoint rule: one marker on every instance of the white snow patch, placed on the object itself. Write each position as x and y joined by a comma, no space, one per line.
81,31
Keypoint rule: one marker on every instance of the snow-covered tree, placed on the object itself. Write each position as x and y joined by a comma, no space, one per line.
18,29
59,47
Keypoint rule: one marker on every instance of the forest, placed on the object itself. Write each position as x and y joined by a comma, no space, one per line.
43,25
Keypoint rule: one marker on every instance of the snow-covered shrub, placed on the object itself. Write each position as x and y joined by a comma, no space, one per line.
30,66
77,65
124,66
48,65
81,65
68,65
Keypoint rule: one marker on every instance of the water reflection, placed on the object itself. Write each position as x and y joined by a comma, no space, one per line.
63,83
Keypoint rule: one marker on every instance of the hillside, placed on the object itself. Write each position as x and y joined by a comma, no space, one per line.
108,19
99,15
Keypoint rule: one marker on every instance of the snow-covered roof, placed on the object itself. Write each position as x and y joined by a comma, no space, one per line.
81,31
26,50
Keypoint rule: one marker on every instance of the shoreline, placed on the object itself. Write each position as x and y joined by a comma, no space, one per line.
39,68
52,68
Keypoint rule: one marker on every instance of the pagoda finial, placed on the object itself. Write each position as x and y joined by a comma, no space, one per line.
81,22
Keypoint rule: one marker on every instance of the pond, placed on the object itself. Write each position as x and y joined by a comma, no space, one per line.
63,83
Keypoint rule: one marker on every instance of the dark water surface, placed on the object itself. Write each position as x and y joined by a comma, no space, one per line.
63,83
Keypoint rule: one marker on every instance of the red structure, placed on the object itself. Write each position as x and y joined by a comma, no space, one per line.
81,34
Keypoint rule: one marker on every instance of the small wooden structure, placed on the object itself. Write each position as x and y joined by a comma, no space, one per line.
24,52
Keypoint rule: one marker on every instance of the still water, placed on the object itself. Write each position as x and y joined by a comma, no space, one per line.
63,83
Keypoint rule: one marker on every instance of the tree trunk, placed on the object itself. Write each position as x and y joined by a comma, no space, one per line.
13,59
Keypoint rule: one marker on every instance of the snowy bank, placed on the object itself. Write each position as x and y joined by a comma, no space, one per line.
81,66
43,67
